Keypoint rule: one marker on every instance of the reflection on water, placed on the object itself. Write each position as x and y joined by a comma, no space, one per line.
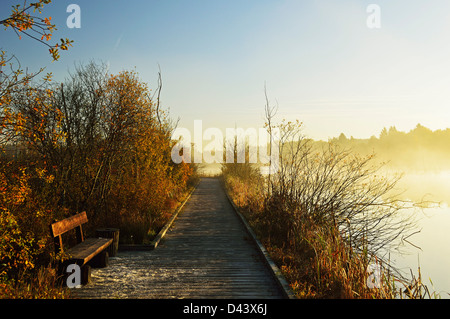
433,257
433,186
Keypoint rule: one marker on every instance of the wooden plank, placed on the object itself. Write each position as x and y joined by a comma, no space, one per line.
289,293
207,253
67,224
88,249
164,230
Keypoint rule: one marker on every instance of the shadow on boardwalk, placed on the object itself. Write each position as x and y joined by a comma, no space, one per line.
207,254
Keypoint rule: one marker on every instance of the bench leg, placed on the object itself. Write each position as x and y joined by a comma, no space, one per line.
85,274
101,260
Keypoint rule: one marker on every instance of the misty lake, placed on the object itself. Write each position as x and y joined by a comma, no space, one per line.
433,257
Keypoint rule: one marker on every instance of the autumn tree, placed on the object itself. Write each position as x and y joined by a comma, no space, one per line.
106,144
24,211
138,136
96,142
25,20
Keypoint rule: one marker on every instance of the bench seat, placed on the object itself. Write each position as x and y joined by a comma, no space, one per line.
88,249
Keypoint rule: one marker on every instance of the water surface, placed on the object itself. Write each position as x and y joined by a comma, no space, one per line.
433,257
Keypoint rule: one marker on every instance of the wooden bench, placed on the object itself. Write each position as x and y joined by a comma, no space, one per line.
89,250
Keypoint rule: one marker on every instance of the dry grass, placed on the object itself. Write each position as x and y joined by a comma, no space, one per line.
316,260
42,284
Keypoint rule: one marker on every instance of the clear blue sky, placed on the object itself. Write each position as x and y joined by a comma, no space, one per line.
320,61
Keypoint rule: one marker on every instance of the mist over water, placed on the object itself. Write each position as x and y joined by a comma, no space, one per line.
433,226
426,186
422,158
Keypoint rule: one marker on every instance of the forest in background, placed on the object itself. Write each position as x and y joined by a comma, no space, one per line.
419,150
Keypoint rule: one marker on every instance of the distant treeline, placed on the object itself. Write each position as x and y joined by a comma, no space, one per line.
419,149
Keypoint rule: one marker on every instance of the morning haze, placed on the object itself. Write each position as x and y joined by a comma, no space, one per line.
353,97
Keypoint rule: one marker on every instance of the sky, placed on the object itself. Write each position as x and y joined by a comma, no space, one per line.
318,59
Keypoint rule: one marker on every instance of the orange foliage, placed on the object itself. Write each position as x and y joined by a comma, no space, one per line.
23,20
98,144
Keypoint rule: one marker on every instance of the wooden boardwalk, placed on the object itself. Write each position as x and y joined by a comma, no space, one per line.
206,254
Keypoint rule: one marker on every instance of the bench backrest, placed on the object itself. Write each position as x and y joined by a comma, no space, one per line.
63,226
